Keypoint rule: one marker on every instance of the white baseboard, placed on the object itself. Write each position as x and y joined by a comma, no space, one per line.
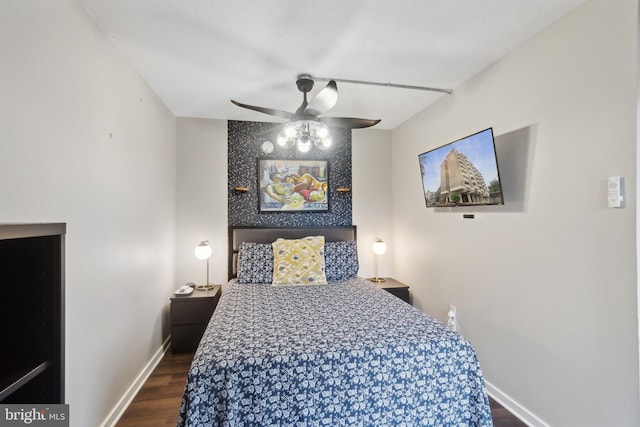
134,388
514,407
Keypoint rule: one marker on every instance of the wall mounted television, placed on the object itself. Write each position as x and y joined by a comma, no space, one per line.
462,173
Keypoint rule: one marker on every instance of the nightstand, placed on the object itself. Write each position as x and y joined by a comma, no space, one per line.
396,288
189,318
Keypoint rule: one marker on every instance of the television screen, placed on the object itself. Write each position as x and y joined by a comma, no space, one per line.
462,173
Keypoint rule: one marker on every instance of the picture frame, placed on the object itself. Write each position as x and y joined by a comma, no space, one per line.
293,185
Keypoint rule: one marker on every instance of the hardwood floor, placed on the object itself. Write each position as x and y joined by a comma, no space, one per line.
502,417
158,401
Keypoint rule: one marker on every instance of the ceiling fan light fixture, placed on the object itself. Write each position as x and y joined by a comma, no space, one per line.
291,129
287,136
304,134
304,137
304,144
285,142
323,130
321,135
324,143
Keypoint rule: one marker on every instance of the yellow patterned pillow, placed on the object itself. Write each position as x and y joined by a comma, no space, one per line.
299,261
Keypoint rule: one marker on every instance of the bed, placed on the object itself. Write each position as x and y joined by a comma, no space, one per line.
344,353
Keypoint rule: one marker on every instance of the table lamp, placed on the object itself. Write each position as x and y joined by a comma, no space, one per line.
203,252
379,247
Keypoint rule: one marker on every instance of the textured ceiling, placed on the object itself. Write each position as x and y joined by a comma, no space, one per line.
197,55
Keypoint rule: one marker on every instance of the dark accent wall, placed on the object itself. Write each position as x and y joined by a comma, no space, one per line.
244,149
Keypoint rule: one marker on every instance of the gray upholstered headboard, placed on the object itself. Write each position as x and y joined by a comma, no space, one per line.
238,235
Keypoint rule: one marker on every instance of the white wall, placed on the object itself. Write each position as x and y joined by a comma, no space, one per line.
371,176
545,286
202,199
86,142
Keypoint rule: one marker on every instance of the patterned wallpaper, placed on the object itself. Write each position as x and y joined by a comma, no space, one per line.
244,150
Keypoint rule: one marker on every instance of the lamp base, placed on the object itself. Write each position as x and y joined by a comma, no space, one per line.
206,287
377,279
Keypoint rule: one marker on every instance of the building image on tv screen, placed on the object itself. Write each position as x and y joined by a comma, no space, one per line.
462,173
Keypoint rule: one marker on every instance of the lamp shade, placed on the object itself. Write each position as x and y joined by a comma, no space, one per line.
379,246
203,250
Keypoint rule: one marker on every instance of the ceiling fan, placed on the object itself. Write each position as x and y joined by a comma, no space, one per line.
320,104
306,127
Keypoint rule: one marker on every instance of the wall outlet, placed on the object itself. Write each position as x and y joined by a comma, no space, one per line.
451,321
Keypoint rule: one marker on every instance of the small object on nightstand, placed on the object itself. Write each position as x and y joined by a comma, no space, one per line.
396,288
184,290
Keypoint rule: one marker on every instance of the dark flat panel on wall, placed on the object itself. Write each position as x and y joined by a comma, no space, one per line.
245,140
32,313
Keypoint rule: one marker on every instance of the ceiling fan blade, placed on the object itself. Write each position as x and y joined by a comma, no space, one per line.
348,122
270,130
325,100
270,111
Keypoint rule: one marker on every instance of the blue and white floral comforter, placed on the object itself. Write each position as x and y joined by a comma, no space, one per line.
343,354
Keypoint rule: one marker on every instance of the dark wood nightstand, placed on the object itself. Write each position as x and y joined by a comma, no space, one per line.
189,318
396,288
